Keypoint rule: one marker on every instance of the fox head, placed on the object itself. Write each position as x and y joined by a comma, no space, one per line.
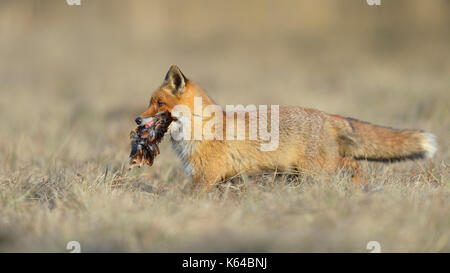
178,96
173,91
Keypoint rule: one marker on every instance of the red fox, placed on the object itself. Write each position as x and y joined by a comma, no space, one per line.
307,139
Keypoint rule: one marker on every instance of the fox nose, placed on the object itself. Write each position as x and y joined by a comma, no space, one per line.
138,120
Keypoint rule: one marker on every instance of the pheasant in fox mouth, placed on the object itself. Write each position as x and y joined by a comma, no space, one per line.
145,139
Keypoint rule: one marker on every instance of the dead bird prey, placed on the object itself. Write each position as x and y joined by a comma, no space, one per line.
145,139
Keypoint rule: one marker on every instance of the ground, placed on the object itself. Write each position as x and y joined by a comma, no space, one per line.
74,78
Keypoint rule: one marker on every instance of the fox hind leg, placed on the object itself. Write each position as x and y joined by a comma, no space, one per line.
349,163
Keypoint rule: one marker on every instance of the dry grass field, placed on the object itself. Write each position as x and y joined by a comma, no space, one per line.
72,80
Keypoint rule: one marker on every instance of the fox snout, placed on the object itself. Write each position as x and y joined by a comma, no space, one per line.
138,120
142,121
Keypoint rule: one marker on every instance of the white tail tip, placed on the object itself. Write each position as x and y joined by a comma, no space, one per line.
429,144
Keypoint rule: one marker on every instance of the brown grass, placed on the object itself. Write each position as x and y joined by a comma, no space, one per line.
73,79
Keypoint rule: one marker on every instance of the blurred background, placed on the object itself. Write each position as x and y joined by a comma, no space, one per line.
73,78
94,66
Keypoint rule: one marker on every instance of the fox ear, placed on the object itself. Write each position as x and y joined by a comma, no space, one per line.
175,80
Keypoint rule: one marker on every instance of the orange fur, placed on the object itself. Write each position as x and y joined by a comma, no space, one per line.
309,140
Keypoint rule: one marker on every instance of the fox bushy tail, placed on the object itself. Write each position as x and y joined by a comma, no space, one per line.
363,140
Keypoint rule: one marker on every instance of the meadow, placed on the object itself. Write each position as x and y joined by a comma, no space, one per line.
72,80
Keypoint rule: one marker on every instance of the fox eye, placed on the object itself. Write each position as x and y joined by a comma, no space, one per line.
161,104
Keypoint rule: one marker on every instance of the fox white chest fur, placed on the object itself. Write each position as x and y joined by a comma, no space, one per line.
182,146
